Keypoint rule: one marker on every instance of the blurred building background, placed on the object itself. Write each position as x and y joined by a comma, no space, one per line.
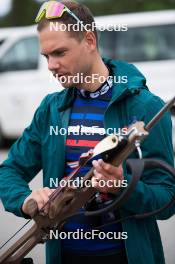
21,13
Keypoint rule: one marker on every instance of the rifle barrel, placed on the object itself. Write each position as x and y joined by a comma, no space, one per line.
159,115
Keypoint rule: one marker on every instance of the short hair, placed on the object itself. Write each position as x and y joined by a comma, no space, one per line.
81,11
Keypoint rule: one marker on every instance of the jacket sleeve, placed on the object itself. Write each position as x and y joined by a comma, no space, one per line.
156,187
22,164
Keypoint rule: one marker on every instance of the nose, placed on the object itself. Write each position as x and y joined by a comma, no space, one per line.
53,64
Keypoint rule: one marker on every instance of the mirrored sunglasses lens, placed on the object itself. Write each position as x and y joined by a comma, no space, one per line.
55,10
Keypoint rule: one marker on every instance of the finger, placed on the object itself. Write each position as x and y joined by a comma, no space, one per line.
99,176
99,169
49,192
41,198
35,197
44,200
43,194
111,169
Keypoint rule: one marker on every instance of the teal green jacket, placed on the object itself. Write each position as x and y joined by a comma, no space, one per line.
36,150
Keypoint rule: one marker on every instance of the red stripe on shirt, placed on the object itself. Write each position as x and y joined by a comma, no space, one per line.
81,143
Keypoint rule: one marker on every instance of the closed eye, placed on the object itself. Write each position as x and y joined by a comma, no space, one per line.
58,53
55,53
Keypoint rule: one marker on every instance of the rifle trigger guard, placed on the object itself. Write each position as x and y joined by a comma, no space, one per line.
136,166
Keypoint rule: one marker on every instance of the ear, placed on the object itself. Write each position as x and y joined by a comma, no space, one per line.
91,40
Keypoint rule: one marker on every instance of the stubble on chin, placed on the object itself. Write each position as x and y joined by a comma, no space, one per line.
68,85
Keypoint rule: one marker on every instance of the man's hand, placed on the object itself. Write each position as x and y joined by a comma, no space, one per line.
41,196
109,174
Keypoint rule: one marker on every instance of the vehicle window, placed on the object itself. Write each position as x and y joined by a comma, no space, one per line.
23,55
139,44
1,41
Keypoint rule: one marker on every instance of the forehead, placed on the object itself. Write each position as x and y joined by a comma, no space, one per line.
52,39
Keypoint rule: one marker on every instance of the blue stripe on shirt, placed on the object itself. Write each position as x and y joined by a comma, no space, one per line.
97,103
79,116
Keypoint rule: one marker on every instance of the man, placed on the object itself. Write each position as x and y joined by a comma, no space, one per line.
87,105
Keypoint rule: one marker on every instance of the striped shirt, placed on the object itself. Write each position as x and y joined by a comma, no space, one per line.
85,130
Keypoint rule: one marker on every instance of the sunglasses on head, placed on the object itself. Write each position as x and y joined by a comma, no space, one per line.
54,9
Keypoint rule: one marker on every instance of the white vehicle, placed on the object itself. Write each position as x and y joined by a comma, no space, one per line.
149,43
24,79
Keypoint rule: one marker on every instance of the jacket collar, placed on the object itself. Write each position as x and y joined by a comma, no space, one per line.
134,84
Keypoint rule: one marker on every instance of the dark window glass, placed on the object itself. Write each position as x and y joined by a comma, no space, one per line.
1,41
139,44
23,55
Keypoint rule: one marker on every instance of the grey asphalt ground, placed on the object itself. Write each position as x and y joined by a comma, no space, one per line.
9,224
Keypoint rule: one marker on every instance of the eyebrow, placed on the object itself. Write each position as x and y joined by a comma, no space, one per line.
55,52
